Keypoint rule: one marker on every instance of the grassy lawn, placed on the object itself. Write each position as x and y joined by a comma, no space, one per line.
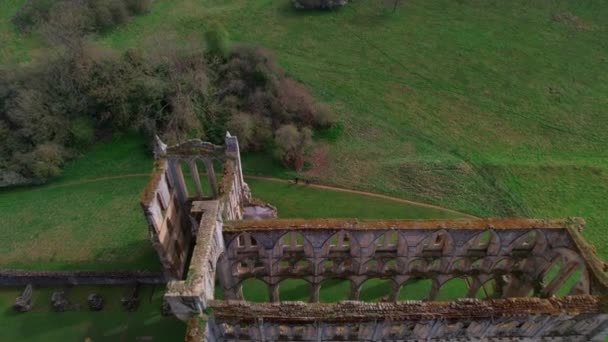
111,324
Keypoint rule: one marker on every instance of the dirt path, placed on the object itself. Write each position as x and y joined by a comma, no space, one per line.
284,181
364,193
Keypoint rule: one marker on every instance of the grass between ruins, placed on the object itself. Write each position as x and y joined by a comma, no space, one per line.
113,323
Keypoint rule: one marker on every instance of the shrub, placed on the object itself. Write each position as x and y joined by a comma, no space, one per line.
291,143
217,41
31,13
323,116
242,125
43,162
100,15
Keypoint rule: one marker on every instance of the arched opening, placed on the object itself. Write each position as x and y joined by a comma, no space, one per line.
292,240
390,266
303,266
333,290
415,289
453,289
375,290
245,240
255,290
490,289
293,289
570,282
340,240
372,266
327,266
387,240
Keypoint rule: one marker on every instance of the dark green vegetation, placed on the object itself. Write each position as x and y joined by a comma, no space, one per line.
89,218
111,324
79,91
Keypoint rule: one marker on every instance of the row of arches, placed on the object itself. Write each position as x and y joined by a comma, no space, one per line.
400,265
386,289
372,290
487,241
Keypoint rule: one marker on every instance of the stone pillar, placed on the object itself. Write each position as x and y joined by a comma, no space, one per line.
196,178
177,180
316,289
274,292
211,177
233,151
227,280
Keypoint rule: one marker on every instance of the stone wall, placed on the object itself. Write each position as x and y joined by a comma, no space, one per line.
525,263
13,278
514,256
577,318
167,202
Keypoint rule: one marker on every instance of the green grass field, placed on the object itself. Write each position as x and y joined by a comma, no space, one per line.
113,323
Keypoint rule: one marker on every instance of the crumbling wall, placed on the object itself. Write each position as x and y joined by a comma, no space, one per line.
190,296
164,207
167,203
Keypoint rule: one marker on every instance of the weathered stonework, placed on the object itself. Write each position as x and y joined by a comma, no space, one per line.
512,256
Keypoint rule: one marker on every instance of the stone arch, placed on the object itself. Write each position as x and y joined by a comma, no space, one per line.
486,242
294,289
415,289
531,241
292,241
375,290
387,240
334,290
243,241
255,290
373,266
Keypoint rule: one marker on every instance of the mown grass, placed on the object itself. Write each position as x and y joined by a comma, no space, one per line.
112,323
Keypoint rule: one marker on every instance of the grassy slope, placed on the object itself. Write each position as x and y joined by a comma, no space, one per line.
113,323
490,107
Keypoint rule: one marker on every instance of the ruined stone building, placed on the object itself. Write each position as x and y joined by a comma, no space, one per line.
212,233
